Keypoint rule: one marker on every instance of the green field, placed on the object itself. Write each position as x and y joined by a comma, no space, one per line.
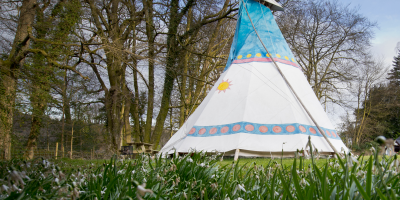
202,177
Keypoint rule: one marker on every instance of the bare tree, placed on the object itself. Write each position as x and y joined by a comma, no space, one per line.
327,39
370,73
176,37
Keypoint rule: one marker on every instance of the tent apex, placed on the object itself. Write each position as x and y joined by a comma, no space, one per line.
272,4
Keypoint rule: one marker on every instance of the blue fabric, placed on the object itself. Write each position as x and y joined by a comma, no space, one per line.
246,42
194,132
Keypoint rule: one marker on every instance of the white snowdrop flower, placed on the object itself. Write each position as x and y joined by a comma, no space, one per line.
359,173
276,193
144,180
238,187
74,184
213,176
336,166
75,193
4,188
16,177
190,160
23,175
14,187
372,149
57,181
385,176
120,171
141,191
82,181
61,174
239,198
133,171
303,182
103,191
380,139
241,187
202,165
100,175
257,177
227,198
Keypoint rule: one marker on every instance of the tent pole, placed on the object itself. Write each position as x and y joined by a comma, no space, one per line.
236,155
290,87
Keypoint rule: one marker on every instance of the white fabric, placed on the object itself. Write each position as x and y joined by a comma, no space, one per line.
257,94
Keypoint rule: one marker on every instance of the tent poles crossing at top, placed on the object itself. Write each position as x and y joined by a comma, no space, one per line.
288,84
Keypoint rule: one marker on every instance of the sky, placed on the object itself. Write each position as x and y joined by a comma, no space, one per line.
386,14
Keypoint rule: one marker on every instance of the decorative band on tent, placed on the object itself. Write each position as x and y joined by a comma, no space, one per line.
260,129
266,60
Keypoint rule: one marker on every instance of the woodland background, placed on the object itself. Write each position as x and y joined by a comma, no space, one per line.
94,74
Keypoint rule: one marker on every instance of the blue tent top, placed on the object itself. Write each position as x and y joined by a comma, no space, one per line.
246,46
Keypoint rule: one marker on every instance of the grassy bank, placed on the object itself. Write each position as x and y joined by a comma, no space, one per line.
202,177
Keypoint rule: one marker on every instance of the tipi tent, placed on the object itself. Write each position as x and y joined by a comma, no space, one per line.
252,110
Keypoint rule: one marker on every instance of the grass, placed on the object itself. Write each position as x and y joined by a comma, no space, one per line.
202,177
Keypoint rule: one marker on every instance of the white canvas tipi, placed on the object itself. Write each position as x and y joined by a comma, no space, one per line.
252,110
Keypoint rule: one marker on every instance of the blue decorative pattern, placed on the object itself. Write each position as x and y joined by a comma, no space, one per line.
254,128
246,43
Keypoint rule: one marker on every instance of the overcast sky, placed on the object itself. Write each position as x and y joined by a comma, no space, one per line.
386,13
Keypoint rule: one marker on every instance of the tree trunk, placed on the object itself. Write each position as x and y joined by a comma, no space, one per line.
148,7
6,113
135,109
127,123
72,141
169,72
38,103
9,74
182,116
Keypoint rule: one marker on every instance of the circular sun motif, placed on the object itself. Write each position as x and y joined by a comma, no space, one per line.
222,87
